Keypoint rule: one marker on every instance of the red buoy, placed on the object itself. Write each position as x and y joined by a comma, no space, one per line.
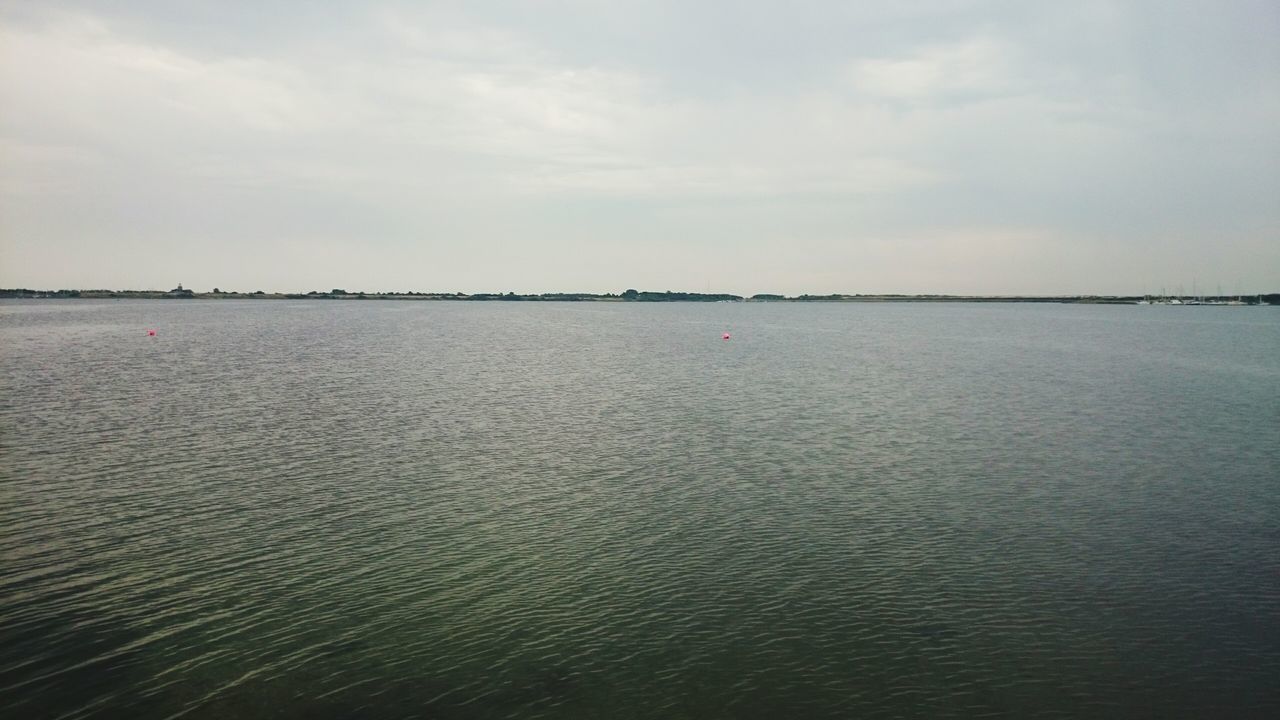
151,333
725,336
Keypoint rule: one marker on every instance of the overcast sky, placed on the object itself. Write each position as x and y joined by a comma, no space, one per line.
951,146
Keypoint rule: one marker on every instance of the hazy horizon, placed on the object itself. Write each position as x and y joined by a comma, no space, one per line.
949,147
353,290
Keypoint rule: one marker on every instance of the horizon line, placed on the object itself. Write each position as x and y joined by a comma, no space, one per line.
629,294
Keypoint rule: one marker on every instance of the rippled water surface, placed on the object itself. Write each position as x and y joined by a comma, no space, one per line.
493,510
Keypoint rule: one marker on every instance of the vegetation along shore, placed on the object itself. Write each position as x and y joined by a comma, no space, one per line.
181,293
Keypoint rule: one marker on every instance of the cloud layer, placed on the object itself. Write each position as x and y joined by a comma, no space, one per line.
912,147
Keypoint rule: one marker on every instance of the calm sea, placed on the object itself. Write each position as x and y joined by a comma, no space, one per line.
523,510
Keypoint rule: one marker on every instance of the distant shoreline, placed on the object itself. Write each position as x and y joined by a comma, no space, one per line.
629,296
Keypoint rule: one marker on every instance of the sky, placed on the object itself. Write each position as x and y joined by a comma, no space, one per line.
950,146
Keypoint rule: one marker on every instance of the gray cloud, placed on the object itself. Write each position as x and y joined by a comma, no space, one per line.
907,147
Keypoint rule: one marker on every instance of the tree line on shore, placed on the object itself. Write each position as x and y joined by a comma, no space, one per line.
630,295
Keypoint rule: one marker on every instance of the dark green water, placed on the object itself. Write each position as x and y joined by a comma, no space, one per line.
510,510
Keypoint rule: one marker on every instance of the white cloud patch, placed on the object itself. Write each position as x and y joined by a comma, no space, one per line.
979,66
